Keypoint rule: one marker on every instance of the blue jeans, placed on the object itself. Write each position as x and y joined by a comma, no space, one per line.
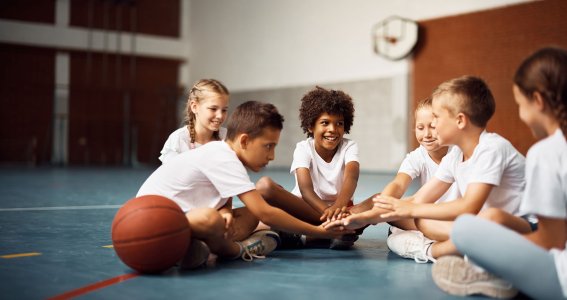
507,254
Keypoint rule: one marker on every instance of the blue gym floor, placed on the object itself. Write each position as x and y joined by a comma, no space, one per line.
55,233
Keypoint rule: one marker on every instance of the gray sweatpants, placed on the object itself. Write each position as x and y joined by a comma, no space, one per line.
505,253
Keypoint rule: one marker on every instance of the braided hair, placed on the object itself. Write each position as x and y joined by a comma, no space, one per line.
196,93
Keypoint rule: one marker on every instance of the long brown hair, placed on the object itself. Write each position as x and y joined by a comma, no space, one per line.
545,72
196,93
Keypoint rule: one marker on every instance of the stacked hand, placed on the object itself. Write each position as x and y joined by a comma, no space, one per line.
397,208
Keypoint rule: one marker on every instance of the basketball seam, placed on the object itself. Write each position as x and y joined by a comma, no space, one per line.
147,238
147,207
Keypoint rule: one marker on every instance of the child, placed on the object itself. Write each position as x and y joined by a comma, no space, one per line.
205,112
536,262
325,165
487,169
203,180
422,162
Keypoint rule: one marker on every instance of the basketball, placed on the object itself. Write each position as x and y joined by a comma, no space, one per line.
150,233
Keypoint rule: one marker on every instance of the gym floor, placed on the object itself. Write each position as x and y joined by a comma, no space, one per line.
55,243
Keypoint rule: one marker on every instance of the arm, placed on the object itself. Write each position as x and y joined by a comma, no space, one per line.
275,217
397,187
307,191
471,202
551,233
350,180
226,213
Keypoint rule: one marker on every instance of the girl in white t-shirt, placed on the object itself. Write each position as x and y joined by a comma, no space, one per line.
205,112
325,165
536,262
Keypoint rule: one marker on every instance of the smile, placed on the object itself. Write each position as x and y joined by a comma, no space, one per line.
329,138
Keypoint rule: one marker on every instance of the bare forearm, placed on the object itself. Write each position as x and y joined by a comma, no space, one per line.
314,201
279,219
443,211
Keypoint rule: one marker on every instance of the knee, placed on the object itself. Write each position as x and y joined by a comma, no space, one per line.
210,222
264,186
493,214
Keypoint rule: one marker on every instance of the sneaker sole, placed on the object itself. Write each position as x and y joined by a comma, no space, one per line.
440,272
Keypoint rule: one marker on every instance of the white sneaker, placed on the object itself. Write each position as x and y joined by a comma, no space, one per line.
410,244
457,277
258,245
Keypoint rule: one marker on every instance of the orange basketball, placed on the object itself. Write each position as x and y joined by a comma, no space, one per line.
150,234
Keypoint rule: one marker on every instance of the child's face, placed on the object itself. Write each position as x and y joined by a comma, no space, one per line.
424,130
529,113
443,120
328,132
211,111
261,150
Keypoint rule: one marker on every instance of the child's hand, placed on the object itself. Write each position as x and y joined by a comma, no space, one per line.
335,232
398,208
350,222
334,212
228,221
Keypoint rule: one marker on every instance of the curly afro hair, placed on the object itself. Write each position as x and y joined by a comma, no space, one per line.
319,101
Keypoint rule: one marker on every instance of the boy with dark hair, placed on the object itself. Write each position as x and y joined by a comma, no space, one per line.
203,181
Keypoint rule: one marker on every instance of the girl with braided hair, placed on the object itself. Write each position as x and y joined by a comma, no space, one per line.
206,110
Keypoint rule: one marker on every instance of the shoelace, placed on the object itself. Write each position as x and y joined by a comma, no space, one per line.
419,256
250,252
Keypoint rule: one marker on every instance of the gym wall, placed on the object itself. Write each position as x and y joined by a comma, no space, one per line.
490,44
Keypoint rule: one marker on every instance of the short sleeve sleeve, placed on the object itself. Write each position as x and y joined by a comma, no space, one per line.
351,153
229,177
543,194
410,165
446,170
301,156
488,166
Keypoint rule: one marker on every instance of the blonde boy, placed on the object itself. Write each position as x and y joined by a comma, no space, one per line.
487,169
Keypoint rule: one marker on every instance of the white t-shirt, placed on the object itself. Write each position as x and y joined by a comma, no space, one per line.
418,163
327,177
546,189
494,161
178,141
203,177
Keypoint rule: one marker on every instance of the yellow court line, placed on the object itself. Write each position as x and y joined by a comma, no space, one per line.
108,246
20,255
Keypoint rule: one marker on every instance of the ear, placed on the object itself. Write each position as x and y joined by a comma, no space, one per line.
243,140
193,104
538,102
461,120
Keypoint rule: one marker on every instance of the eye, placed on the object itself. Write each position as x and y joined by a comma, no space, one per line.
341,123
325,123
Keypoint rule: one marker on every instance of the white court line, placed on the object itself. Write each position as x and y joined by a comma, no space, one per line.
60,208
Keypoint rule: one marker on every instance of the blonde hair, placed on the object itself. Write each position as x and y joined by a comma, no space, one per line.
196,93
474,98
422,104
